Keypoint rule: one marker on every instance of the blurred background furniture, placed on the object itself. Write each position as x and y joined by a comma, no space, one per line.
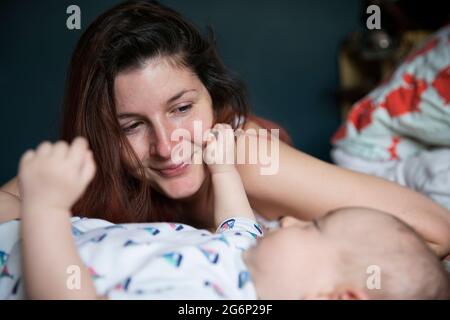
367,57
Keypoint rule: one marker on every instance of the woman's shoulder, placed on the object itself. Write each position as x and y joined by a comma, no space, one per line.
255,122
12,187
9,206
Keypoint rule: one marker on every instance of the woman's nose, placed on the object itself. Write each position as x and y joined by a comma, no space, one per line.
161,145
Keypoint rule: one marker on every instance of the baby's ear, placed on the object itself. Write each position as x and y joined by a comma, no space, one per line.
344,293
350,293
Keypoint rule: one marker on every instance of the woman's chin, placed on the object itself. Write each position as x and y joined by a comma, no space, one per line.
183,186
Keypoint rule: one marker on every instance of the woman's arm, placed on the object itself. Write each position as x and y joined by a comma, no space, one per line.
9,207
307,188
12,186
9,201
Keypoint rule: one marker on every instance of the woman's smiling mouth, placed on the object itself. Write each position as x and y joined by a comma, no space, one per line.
173,170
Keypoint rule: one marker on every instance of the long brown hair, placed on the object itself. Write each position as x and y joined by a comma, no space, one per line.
122,39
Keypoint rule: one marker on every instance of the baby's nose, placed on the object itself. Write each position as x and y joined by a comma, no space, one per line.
291,221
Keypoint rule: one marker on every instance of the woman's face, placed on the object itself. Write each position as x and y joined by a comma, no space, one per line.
151,103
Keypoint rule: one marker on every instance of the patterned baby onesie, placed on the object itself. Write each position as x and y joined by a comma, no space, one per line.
156,260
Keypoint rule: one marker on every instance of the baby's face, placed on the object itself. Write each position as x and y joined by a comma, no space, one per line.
300,257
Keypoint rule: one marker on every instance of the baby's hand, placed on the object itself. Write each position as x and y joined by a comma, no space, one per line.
219,153
55,175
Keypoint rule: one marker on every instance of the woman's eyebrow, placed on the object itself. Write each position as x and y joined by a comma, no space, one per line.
172,99
127,115
179,95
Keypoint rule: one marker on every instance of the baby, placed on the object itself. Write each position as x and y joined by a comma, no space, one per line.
350,253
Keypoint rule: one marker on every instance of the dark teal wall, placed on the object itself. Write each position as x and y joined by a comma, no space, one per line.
285,51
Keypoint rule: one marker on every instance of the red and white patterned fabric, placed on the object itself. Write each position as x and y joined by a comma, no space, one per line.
406,114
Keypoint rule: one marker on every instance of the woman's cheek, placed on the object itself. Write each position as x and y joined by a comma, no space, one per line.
190,125
200,124
137,143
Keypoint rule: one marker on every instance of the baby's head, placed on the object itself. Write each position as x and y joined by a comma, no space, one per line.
351,253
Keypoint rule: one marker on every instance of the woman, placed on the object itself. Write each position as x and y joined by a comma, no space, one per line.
139,72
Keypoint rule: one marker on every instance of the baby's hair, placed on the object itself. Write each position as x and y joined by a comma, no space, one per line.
409,269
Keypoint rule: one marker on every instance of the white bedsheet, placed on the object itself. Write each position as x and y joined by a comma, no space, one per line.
427,172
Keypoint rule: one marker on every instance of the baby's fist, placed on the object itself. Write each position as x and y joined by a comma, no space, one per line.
220,149
56,175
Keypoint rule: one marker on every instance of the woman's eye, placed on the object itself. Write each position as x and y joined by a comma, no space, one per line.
183,109
131,127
